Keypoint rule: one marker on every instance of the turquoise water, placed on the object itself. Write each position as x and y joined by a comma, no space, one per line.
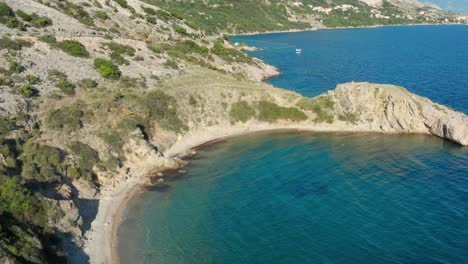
323,198
308,198
428,60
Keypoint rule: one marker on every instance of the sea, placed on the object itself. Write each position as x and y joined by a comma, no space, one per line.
293,197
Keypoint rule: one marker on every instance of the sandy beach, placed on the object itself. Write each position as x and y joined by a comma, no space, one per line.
102,239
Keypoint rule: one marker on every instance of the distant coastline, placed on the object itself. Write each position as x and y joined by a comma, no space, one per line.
333,28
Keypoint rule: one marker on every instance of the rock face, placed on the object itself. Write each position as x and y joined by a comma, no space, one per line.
393,109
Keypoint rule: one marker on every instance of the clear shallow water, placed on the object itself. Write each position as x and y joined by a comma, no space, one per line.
323,198
308,198
429,60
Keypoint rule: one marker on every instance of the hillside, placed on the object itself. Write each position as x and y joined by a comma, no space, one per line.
234,17
98,93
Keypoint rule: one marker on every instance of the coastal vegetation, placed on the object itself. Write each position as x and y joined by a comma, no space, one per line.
270,112
241,111
321,106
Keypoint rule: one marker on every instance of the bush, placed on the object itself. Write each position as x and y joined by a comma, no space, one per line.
49,39
23,15
349,117
118,59
107,69
230,55
180,30
73,48
9,44
162,108
41,163
268,111
171,63
20,202
26,90
149,11
66,87
67,118
5,11
102,15
87,156
15,67
120,48
122,3
41,22
6,125
241,111
76,12
156,47
163,15
322,106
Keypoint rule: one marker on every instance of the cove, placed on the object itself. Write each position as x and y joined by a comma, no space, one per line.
308,198
322,198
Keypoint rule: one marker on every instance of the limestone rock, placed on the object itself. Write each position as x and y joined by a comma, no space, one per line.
393,109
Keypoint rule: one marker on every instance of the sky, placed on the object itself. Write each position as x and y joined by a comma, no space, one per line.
459,6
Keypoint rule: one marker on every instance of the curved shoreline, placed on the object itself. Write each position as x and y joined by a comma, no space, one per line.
131,187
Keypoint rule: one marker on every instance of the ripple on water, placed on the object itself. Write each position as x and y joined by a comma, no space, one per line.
308,198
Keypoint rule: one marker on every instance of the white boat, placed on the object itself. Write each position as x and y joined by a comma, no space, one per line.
298,51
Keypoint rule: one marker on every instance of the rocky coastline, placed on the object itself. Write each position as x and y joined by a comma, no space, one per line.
384,109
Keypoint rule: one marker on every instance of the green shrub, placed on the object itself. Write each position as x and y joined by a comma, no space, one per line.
270,112
120,48
56,75
49,39
122,3
180,30
67,118
87,157
241,111
23,15
107,69
5,11
322,106
171,63
152,20
66,87
102,15
156,47
41,163
162,108
32,79
19,201
26,90
15,23
349,117
118,59
6,125
230,55
76,12
163,15
15,67
41,22
149,11
9,44
73,48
